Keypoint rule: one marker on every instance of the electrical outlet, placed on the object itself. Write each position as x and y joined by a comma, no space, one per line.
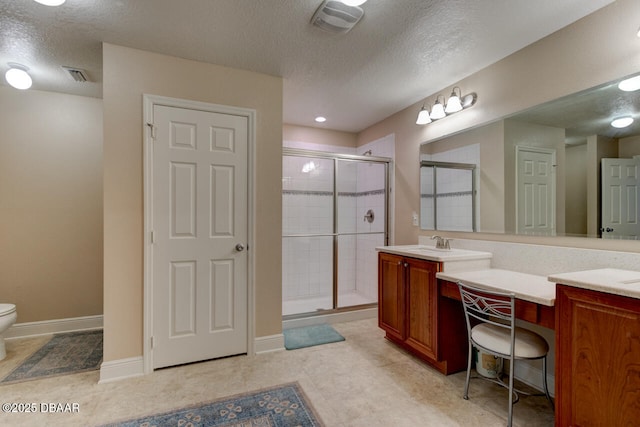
416,220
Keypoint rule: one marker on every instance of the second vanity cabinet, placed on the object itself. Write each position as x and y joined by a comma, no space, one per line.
597,358
410,314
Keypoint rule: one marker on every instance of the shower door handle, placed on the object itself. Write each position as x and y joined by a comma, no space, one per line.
239,247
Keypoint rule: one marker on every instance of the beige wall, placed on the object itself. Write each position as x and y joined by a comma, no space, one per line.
128,74
491,182
531,135
318,136
51,209
576,198
597,49
629,147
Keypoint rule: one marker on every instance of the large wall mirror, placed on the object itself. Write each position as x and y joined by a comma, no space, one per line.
558,169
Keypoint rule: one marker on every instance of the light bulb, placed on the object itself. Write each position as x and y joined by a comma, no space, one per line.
622,122
51,2
629,85
423,117
353,2
437,112
18,78
320,119
453,104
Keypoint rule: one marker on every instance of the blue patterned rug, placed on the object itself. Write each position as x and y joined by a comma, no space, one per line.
309,336
67,353
281,406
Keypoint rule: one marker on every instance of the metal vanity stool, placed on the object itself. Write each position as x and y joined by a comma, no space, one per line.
495,333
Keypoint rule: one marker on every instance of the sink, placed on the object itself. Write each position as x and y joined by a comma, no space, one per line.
430,249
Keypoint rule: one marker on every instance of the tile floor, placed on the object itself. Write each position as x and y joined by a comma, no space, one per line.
363,381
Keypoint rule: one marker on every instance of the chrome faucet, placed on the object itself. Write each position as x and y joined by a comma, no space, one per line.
441,242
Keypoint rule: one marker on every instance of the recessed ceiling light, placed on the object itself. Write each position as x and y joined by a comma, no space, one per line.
622,122
18,77
320,119
51,2
629,85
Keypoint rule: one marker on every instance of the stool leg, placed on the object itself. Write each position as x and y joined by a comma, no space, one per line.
544,381
511,371
466,383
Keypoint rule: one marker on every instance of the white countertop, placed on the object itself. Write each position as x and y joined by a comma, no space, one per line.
432,254
609,280
527,287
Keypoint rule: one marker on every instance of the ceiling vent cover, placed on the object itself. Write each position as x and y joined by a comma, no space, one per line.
336,17
77,74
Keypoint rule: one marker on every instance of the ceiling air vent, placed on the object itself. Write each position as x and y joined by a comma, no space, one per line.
336,17
77,74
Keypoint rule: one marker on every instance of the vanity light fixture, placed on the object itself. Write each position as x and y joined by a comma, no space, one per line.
622,122
630,84
18,77
437,112
51,2
453,104
440,110
423,116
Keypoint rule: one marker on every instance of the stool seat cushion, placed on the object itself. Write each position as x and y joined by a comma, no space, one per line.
528,345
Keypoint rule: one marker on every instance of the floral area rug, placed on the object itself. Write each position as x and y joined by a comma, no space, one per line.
67,353
281,406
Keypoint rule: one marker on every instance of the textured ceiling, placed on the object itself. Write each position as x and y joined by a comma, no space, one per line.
399,53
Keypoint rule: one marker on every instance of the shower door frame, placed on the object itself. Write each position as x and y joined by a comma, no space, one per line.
336,157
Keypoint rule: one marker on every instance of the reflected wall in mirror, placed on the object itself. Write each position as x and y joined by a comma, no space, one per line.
540,172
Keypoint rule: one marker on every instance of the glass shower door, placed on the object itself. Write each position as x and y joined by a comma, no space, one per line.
361,217
307,234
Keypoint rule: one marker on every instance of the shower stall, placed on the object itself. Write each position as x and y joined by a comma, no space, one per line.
335,213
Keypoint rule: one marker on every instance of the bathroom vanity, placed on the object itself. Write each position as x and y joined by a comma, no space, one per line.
410,309
598,347
595,314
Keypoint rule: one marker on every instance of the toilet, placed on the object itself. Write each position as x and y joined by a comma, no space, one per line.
8,317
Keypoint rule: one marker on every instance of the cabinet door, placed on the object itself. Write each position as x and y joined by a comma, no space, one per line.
391,295
422,298
597,359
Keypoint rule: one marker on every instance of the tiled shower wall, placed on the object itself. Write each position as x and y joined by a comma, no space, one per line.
308,209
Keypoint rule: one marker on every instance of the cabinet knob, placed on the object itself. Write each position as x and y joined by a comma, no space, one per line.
406,264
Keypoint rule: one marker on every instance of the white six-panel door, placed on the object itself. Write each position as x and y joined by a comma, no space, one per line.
200,231
620,198
535,191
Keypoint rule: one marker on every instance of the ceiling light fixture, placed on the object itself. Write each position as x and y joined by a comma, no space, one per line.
622,122
51,2
354,2
440,110
18,77
629,85
320,119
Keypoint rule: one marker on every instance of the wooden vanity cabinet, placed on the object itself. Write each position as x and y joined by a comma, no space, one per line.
597,358
409,312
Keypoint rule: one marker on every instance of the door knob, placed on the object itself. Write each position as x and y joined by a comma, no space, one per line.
239,247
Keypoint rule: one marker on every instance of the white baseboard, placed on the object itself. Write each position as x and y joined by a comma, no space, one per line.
116,370
56,326
269,343
345,316
532,376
